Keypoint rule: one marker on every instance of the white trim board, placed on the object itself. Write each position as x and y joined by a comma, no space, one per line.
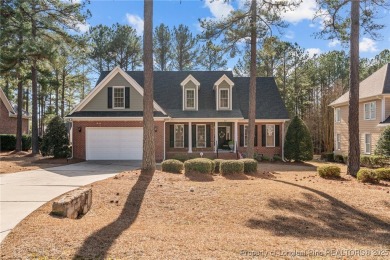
104,82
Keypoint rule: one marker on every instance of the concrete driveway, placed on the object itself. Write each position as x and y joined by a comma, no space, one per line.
23,192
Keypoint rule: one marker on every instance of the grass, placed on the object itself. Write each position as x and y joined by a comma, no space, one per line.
282,207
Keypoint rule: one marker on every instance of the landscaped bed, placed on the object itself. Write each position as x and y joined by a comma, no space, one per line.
11,162
282,208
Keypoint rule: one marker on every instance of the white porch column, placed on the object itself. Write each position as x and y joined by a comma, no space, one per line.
216,137
235,136
283,140
189,137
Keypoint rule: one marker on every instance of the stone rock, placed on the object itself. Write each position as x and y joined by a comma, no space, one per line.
73,204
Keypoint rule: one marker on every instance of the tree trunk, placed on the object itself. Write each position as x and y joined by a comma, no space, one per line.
57,91
353,119
148,157
34,117
19,121
252,84
63,93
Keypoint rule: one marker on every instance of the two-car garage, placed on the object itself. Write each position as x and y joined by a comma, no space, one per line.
113,143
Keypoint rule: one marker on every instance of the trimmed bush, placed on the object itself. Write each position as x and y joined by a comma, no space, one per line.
217,164
366,175
345,159
266,158
250,165
328,157
330,171
199,165
372,161
231,166
8,142
172,165
383,144
383,173
298,144
277,158
55,141
180,157
338,158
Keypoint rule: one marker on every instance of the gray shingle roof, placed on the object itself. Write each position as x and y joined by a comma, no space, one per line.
115,113
376,84
387,121
168,94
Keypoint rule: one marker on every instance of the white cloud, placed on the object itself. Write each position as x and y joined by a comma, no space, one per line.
313,51
83,27
305,11
334,43
367,45
290,35
136,21
219,8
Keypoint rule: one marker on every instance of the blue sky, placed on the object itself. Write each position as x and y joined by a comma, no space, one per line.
174,12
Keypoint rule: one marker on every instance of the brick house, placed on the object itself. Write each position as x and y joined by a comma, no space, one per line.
8,117
374,113
194,112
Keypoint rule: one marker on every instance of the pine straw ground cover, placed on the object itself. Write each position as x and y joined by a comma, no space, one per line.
282,208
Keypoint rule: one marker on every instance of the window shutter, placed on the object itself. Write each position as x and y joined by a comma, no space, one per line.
127,97
208,137
263,135
109,97
241,135
255,135
185,135
193,130
172,136
277,135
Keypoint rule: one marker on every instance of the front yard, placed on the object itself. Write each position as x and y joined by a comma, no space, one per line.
284,208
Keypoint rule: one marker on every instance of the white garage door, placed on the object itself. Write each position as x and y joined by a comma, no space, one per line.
114,143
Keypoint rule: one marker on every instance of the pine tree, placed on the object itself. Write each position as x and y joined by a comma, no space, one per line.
383,145
298,145
184,48
162,42
211,57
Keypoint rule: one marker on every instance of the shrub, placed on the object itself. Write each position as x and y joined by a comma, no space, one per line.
250,165
328,157
366,175
372,161
199,165
231,166
8,142
345,159
180,157
172,165
266,158
338,158
298,144
365,161
217,164
277,158
257,156
383,144
55,140
330,171
383,173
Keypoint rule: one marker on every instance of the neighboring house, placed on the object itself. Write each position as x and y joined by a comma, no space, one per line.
8,118
194,112
374,112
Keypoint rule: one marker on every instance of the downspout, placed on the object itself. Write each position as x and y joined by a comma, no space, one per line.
164,140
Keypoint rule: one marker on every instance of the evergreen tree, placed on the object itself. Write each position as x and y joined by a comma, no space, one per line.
383,145
298,145
184,48
55,140
211,57
162,42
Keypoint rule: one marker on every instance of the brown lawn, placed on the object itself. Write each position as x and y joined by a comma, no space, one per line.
283,209
11,162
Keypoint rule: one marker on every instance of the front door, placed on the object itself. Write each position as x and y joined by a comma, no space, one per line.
222,137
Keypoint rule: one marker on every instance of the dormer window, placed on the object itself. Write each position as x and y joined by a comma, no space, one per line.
223,93
190,88
118,97
224,98
190,98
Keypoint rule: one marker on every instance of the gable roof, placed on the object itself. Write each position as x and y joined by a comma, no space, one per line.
6,102
376,84
168,94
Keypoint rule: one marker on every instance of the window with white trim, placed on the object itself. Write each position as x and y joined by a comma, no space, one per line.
370,111
179,136
118,97
224,98
337,115
270,136
367,143
338,141
245,135
200,136
190,99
